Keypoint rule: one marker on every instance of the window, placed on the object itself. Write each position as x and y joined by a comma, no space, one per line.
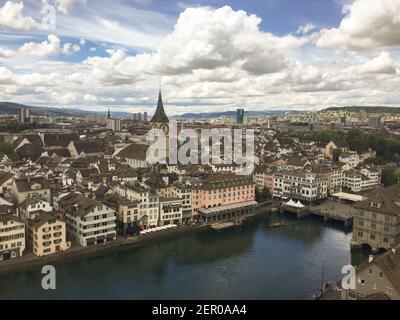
362,281
380,275
370,271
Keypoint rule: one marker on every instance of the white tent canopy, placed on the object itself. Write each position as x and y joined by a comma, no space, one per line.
293,204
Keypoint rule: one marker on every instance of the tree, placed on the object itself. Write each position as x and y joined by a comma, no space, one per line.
8,150
389,176
263,195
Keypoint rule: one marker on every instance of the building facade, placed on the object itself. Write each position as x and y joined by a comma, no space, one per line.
12,237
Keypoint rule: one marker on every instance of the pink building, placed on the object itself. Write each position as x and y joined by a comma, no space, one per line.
222,189
264,178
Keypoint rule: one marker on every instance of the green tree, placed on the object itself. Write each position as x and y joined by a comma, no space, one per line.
8,150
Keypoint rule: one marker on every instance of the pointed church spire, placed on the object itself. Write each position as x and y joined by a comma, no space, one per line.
109,114
160,115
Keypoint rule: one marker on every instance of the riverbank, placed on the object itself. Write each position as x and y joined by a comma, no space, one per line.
30,261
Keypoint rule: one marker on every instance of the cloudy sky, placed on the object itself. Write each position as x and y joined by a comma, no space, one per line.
209,55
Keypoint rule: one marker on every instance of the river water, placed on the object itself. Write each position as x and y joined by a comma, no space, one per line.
253,261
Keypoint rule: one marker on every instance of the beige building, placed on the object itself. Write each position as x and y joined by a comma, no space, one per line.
12,237
377,219
46,234
31,188
170,211
378,279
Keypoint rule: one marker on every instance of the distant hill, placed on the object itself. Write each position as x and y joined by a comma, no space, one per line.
375,109
209,115
14,108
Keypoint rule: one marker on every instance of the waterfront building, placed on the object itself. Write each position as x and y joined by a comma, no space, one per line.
89,221
377,219
333,175
31,188
148,202
300,185
170,211
184,192
128,221
46,233
264,178
361,180
12,237
222,189
378,279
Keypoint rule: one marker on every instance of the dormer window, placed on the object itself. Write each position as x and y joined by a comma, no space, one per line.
375,204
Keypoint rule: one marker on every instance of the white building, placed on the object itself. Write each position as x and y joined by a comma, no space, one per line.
300,185
114,125
350,158
148,202
362,180
12,237
170,211
89,222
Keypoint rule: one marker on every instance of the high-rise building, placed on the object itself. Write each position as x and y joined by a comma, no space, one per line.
24,116
239,116
135,117
145,117
113,124
375,122
139,116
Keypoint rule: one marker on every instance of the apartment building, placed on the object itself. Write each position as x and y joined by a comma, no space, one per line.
128,221
300,185
377,219
350,158
184,192
89,222
222,189
148,202
46,233
12,237
361,180
32,205
31,188
378,279
170,211
333,175
264,178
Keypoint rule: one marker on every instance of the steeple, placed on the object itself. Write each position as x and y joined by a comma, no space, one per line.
109,114
160,115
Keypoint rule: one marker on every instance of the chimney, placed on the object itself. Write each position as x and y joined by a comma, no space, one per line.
371,258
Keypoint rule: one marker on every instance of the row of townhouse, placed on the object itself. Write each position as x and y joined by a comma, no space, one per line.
333,178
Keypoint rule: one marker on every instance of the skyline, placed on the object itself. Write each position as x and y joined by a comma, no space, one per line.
210,56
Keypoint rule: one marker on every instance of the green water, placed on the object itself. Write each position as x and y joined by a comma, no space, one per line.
250,262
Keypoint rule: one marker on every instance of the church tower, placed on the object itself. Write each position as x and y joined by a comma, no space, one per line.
160,119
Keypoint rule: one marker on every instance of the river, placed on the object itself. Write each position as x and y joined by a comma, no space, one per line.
253,261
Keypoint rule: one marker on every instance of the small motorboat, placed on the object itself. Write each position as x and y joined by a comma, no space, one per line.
277,224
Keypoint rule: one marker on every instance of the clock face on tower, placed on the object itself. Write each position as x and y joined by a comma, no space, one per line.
162,126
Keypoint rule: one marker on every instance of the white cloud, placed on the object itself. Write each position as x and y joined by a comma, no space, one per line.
90,98
50,47
11,17
306,28
368,25
6,53
66,6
